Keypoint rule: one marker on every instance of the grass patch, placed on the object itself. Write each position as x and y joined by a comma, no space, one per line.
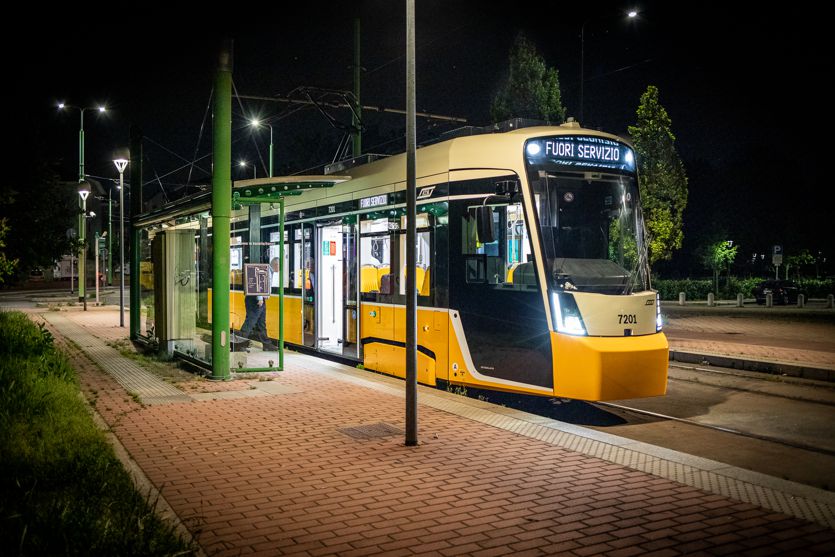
62,490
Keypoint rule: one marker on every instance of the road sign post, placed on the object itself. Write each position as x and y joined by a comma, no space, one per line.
777,259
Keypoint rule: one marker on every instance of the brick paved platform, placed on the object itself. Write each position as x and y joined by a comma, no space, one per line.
277,467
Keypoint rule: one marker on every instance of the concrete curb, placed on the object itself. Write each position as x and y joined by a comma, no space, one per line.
762,366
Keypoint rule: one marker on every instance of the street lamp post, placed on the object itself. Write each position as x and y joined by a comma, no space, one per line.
120,166
109,264
83,192
257,123
82,223
631,14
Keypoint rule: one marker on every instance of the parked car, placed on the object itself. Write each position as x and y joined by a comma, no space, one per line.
782,291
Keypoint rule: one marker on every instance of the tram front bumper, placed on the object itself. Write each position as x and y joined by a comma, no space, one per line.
609,368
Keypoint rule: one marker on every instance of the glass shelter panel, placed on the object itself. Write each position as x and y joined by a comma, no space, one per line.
147,327
175,286
254,267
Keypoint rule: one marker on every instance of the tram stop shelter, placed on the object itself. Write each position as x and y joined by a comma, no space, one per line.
184,274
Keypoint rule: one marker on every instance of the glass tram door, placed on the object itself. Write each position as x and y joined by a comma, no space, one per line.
305,280
330,296
337,289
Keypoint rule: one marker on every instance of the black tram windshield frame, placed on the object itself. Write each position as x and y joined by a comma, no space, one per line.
591,228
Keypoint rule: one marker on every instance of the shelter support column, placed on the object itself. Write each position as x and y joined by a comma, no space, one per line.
221,212
135,209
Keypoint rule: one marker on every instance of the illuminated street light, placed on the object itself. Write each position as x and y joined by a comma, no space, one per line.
244,164
256,123
83,193
82,264
631,15
120,166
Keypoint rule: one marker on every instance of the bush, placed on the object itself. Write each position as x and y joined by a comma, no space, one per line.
698,289
817,288
62,490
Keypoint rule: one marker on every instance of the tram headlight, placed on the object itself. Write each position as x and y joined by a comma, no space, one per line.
533,149
658,323
567,315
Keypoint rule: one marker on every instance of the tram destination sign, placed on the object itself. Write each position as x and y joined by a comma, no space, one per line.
374,201
584,151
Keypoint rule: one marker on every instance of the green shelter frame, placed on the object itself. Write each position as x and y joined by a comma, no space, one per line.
171,263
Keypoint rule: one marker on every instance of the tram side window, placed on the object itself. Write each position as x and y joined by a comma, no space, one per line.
507,260
423,261
376,262
274,253
302,258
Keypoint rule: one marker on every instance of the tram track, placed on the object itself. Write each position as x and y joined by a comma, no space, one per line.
720,428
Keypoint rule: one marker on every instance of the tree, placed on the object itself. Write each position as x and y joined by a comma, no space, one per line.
663,182
7,266
532,89
41,209
798,260
718,256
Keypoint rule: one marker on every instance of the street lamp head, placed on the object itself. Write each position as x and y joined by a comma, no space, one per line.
84,190
61,106
120,164
632,13
255,122
242,164
102,108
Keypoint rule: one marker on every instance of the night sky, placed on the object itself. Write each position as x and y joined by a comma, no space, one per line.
743,86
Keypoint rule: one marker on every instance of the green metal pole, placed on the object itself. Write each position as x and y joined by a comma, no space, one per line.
110,237
280,284
271,151
357,118
135,210
82,222
221,212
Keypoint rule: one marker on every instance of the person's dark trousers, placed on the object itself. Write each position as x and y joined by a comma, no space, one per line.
255,324
253,314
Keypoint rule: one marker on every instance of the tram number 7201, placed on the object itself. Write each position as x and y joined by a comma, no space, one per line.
627,319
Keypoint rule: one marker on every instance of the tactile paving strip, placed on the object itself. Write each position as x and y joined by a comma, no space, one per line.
134,378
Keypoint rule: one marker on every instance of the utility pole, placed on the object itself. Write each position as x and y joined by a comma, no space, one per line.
411,217
356,120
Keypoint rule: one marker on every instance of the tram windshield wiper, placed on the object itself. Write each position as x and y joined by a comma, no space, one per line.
590,275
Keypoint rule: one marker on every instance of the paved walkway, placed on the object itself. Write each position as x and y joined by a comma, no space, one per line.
311,461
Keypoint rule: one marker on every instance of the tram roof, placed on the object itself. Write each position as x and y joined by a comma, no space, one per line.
463,157
459,158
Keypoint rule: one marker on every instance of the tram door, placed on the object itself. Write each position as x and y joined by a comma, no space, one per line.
305,279
329,296
336,289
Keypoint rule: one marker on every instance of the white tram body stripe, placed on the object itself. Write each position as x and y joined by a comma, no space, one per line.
458,328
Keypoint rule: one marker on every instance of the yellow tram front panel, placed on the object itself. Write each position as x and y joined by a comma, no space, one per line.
609,368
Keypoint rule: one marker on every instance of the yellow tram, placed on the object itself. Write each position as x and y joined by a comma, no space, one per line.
532,270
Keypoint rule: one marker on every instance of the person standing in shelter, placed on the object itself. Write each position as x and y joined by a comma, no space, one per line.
255,324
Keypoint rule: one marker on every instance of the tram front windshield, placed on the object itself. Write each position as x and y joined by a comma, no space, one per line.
592,231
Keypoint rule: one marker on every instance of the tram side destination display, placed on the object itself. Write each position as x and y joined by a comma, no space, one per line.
256,279
594,152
